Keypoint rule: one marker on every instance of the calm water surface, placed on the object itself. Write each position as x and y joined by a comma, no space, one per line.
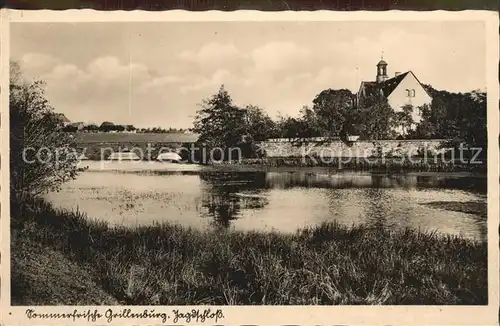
283,201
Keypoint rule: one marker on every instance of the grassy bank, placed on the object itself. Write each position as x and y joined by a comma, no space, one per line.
392,164
81,261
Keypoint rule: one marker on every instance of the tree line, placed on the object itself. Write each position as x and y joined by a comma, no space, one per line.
108,126
337,114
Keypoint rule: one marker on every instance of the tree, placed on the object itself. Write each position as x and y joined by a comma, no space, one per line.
441,116
219,123
42,157
474,123
91,127
288,127
332,108
460,117
107,126
376,117
119,128
425,129
308,123
353,125
258,124
404,119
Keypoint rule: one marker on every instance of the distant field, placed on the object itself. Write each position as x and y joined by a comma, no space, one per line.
104,137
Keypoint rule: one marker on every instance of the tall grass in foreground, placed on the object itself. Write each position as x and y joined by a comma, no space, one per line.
328,264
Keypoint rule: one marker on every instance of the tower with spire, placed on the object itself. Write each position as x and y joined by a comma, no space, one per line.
382,70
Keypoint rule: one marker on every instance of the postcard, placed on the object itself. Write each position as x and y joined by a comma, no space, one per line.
230,168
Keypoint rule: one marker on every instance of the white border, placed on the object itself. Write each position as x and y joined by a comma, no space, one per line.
280,315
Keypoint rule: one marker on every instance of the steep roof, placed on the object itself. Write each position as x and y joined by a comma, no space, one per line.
390,84
387,87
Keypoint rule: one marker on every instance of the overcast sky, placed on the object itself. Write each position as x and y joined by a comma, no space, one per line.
277,66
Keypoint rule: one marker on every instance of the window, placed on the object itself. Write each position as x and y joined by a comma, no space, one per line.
410,92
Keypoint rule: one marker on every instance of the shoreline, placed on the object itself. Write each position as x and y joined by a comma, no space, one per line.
95,166
169,264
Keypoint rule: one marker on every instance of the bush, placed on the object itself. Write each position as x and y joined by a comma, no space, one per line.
42,156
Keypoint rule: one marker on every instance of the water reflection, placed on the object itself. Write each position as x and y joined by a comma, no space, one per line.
278,200
362,180
286,201
228,193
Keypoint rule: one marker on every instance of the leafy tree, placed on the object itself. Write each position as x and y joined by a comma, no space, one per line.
220,123
107,126
259,125
404,119
377,118
442,117
474,125
156,130
119,128
332,108
42,157
425,129
91,127
460,117
353,125
289,127
308,123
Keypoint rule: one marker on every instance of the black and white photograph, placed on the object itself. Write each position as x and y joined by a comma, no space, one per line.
249,163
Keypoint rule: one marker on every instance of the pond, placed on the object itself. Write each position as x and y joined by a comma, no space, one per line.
278,201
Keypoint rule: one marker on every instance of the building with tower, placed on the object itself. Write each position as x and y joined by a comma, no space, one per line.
401,90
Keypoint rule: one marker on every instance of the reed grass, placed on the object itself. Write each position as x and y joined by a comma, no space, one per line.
388,164
167,264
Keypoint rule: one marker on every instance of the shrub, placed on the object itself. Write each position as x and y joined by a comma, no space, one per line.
42,156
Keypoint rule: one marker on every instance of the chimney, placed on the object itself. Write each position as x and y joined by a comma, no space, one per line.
397,74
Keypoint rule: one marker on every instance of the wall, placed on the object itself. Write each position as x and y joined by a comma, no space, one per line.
285,148
399,97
